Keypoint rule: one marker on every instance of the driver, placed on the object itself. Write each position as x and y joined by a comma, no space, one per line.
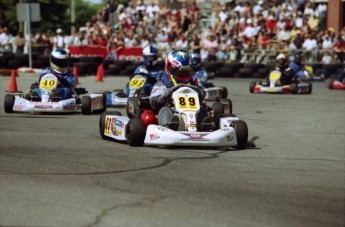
150,67
199,73
59,66
178,70
294,71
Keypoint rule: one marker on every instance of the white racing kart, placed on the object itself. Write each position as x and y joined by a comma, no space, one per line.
138,80
274,86
20,102
220,130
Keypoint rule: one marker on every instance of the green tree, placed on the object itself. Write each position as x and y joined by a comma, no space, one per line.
54,14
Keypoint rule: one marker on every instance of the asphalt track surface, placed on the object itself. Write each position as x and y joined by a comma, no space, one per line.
55,170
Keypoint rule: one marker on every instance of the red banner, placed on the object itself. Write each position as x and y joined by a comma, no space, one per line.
88,51
131,53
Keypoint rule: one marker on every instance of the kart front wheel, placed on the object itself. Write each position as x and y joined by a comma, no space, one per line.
136,132
241,130
104,104
252,85
86,105
218,109
227,106
8,103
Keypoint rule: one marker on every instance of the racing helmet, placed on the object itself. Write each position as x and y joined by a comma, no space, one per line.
148,117
178,65
150,55
281,60
196,60
59,60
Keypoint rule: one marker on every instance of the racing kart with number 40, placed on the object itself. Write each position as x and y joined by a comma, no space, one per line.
51,102
219,129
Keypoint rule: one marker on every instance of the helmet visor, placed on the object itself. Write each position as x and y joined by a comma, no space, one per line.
150,57
180,72
60,63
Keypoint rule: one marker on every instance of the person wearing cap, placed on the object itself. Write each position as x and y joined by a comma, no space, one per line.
58,40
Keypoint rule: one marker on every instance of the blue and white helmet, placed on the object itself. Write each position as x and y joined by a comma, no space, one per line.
178,65
150,55
59,60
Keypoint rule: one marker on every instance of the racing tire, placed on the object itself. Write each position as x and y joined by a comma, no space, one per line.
227,106
241,130
132,106
218,109
136,132
104,103
294,88
310,87
252,85
102,121
8,103
330,83
224,92
86,105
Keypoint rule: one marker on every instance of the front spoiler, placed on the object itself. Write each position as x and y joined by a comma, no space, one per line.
158,135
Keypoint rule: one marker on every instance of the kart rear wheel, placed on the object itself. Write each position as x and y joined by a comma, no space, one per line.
310,87
136,132
86,105
224,92
241,130
104,104
227,106
102,121
8,103
218,109
294,88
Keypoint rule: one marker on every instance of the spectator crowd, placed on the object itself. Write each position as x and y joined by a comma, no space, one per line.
229,31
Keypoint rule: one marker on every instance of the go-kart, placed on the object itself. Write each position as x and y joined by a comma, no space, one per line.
216,130
51,102
333,83
136,84
213,92
274,85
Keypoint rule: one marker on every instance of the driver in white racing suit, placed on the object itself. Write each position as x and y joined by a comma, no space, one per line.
178,70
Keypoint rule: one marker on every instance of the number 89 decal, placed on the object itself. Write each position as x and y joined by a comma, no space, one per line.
187,103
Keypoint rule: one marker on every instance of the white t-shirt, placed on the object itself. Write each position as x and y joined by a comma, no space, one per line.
309,44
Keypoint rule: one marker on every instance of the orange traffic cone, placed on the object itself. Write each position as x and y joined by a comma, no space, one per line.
75,73
13,82
100,73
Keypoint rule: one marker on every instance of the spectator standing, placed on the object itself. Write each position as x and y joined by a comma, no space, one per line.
59,40
211,45
5,41
195,44
19,42
309,45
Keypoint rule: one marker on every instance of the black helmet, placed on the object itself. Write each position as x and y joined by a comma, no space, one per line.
59,60
196,60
